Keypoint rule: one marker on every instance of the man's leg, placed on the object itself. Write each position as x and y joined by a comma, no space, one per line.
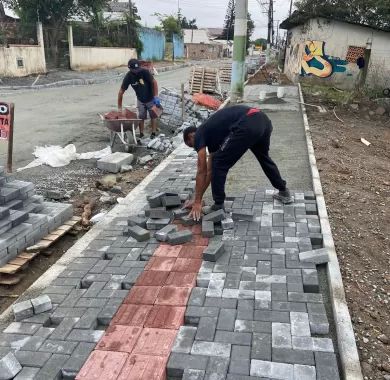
231,151
154,126
261,152
142,114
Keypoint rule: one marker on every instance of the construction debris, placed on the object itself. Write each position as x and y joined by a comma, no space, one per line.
365,142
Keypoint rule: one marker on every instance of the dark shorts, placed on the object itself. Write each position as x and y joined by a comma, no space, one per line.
144,109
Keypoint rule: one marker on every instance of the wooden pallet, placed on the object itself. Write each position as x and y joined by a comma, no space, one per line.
203,79
225,74
8,272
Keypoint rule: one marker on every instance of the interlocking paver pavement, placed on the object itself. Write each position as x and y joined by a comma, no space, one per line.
254,312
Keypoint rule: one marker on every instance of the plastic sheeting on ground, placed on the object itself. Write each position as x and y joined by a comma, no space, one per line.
56,156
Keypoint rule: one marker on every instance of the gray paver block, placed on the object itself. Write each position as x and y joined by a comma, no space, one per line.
162,235
304,372
9,366
206,329
138,233
207,228
319,324
52,368
326,366
227,224
180,237
299,324
73,365
261,346
22,328
184,339
155,200
197,297
213,252
240,338
217,368
178,362
58,347
88,336
159,213
211,349
115,161
27,373
171,200
226,320
193,374
245,215
281,335
64,328
157,224
32,359
107,314
137,221
286,355
23,310
316,256
41,304
215,216
272,370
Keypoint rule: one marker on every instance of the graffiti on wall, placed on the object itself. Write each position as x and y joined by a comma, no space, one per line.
316,62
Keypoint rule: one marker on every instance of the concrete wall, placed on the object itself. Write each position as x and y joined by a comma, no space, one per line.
203,51
84,58
153,44
325,51
32,56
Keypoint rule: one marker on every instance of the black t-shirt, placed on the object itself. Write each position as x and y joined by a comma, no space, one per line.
213,131
142,83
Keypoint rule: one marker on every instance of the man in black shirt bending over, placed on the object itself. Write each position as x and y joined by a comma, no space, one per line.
146,90
227,135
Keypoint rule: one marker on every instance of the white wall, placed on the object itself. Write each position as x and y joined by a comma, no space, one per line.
86,58
33,57
338,36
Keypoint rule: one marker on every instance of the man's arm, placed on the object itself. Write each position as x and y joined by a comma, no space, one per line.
155,87
120,98
201,184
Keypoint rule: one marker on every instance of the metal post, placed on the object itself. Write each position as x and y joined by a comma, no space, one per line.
240,33
183,104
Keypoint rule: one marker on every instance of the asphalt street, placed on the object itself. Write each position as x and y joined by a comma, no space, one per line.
66,115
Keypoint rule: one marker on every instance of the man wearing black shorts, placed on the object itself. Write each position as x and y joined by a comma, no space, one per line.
146,90
227,135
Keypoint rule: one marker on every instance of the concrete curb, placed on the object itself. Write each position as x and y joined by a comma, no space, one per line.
84,82
134,202
349,357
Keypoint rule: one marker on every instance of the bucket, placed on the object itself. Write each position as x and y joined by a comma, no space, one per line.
280,93
262,95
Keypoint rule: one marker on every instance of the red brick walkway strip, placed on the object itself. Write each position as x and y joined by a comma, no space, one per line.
138,342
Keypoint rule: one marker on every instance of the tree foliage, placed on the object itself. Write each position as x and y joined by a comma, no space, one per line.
374,13
228,29
169,24
188,23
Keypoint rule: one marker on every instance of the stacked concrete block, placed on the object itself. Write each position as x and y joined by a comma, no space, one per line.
181,237
24,217
114,162
26,309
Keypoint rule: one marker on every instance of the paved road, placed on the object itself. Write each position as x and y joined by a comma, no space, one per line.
68,115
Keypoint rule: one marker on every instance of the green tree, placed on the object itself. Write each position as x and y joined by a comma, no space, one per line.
370,12
261,42
54,14
188,23
170,25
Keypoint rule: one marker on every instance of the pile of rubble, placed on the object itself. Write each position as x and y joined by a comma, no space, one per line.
24,217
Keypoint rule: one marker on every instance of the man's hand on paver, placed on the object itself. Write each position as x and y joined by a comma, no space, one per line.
157,101
188,204
196,211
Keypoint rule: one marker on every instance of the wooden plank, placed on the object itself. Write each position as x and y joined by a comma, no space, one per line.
201,86
19,261
9,269
9,280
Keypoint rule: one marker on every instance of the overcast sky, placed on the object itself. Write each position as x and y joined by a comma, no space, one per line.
211,13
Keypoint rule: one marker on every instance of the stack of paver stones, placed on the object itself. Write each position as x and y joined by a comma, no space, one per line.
24,217
255,313
172,104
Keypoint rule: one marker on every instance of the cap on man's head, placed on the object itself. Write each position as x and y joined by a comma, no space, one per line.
133,64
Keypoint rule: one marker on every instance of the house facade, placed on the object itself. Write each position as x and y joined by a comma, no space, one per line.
199,45
345,55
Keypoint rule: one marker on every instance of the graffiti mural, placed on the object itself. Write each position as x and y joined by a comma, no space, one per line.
316,62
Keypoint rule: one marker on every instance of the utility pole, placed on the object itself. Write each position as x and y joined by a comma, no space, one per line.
240,34
131,9
291,3
270,36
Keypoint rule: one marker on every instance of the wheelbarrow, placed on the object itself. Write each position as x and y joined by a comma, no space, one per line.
123,128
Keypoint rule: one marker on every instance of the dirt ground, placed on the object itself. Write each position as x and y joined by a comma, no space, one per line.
356,184
270,72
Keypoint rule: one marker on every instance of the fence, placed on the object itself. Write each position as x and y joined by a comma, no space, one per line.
23,59
153,43
178,46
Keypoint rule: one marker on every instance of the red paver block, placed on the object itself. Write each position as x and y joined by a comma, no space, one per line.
197,229
105,365
120,338
143,367
166,317
191,252
173,296
167,251
199,240
131,315
187,265
181,279
142,295
161,264
155,342
152,278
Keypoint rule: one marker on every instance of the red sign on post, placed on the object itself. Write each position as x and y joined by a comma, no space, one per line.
7,129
